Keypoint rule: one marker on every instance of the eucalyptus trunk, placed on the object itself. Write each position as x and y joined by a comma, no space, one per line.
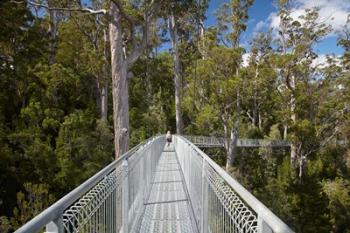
293,148
104,88
120,90
104,102
234,133
232,149
53,33
177,73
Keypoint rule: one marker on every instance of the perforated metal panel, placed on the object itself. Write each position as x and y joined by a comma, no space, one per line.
167,208
166,217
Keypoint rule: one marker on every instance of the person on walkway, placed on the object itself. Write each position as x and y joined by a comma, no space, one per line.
168,137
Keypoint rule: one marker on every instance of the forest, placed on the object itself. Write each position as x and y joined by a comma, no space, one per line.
84,81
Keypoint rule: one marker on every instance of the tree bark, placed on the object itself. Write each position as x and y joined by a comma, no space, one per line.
255,100
301,166
235,132
232,149
104,88
177,72
120,90
202,39
53,33
104,101
285,131
293,149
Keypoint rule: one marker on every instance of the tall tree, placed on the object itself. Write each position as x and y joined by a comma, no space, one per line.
177,71
232,19
296,40
182,18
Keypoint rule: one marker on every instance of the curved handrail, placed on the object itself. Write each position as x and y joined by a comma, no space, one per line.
54,211
274,222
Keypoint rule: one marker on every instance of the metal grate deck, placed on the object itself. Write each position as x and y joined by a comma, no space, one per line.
167,208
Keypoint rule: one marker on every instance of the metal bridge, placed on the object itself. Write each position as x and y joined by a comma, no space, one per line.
211,141
158,187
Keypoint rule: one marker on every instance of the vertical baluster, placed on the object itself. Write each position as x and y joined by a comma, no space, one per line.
205,189
263,227
55,226
125,197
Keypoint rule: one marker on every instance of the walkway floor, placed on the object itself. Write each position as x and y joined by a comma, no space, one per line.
168,208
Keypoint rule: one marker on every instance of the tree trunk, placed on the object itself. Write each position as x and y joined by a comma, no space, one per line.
301,166
285,132
232,149
177,72
104,102
255,99
232,146
104,88
120,90
53,30
293,149
231,143
202,39
260,121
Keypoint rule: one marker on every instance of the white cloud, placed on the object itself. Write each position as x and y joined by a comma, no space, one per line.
260,26
245,60
322,62
332,12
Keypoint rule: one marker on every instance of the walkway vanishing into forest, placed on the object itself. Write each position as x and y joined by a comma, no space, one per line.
211,141
156,187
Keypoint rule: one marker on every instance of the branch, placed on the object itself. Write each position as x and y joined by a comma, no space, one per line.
250,116
128,18
137,50
83,9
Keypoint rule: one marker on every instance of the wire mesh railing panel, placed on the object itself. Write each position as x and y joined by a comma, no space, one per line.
220,203
232,213
99,210
195,184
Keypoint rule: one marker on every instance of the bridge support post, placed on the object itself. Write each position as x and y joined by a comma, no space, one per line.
55,226
205,192
263,227
144,175
125,197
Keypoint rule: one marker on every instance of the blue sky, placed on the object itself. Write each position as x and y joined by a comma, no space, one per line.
262,15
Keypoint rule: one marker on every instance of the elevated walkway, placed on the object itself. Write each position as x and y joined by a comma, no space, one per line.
211,141
159,188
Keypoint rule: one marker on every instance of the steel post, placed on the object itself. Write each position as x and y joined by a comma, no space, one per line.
263,227
55,226
125,197
204,210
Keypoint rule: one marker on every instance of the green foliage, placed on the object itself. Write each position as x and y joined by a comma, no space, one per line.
337,191
31,202
81,143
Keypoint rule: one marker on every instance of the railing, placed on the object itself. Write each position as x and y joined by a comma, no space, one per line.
110,201
210,141
219,202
